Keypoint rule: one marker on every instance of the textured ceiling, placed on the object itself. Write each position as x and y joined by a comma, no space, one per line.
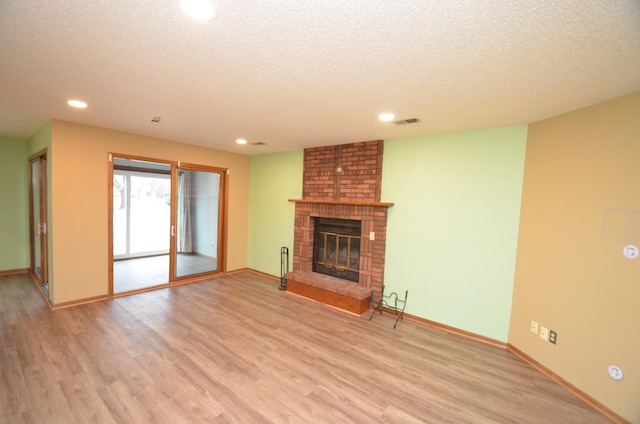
295,74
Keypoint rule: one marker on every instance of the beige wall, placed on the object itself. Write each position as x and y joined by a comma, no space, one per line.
79,180
568,278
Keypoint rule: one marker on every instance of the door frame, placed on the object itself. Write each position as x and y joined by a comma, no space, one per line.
42,232
222,220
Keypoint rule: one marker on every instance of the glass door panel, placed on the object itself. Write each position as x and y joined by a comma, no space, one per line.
38,216
35,223
141,222
150,215
198,221
141,214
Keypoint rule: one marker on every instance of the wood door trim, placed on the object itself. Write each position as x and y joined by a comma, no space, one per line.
40,160
222,217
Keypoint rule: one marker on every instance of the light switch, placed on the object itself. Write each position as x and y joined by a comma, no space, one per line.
372,235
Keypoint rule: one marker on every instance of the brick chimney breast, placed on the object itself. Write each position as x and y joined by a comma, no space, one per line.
347,172
344,182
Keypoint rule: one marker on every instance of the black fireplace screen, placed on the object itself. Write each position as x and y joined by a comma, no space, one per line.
337,248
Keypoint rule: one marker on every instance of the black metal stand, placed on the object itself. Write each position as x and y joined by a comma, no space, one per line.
391,303
284,267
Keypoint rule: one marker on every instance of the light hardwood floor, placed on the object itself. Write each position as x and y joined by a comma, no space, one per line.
238,350
138,273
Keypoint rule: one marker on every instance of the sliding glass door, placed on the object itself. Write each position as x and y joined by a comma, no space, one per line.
166,222
198,213
141,219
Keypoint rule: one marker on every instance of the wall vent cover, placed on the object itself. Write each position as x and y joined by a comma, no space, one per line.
406,121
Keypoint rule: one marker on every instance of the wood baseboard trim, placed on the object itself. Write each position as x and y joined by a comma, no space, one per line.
63,305
452,330
263,274
568,386
235,271
141,290
9,272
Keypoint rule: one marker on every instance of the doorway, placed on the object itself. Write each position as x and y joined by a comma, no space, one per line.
141,217
197,229
166,223
38,228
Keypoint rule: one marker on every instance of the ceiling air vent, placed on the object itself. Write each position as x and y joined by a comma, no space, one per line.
258,143
156,119
406,121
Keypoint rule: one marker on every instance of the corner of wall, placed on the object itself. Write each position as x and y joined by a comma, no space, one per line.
571,277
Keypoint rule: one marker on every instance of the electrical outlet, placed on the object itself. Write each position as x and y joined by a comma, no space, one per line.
544,333
553,336
534,327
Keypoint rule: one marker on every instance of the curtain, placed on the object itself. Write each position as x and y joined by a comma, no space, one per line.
185,240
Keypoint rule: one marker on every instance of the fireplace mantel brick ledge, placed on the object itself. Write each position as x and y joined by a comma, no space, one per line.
344,203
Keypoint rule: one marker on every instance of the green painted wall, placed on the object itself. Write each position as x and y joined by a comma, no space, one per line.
14,209
41,140
452,234
275,178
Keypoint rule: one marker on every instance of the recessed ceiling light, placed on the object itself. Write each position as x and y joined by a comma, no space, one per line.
241,141
198,9
77,103
386,117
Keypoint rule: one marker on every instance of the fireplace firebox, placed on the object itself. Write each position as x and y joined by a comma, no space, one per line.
336,249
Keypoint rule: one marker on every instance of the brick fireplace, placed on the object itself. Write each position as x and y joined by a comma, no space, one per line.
344,182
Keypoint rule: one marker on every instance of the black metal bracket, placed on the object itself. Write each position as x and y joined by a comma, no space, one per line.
391,303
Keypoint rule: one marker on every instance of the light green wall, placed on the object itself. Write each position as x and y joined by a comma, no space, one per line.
41,140
452,234
275,178
14,209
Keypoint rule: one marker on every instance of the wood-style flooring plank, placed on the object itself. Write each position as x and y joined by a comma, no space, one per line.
235,349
